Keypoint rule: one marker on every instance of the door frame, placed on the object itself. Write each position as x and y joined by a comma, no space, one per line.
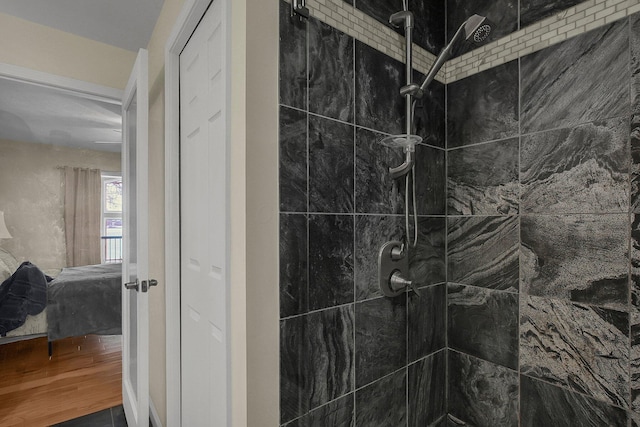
68,85
186,23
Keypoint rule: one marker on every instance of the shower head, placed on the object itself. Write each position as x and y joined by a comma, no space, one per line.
476,29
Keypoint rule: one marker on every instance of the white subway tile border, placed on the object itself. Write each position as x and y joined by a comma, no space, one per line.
576,20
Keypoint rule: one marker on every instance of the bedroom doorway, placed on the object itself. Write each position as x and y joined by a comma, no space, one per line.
37,165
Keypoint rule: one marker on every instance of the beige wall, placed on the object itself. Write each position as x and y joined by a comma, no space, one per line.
157,329
42,48
262,232
32,197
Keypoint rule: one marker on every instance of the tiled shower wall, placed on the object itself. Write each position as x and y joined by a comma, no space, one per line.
348,355
543,236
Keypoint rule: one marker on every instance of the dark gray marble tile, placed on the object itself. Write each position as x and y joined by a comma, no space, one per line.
294,292
582,258
430,170
483,179
484,323
635,163
427,322
427,258
119,419
383,403
338,413
484,106
379,77
455,422
97,419
634,42
293,160
376,191
331,166
429,114
427,390
381,338
428,31
635,262
532,11
331,83
583,348
503,15
543,404
480,393
635,362
577,81
371,233
441,422
293,59
330,260
578,170
635,313
484,252
316,360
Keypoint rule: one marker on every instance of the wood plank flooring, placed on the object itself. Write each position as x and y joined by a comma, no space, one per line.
83,376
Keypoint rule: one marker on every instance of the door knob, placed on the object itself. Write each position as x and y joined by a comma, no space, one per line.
132,285
147,284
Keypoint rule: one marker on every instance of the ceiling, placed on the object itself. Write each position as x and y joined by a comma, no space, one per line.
33,113
124,23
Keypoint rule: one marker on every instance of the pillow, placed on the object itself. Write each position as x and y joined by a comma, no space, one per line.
8,264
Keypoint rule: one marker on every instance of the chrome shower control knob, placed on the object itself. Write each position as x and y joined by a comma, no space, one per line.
398,282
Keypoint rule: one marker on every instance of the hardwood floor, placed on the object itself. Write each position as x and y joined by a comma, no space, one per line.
83,376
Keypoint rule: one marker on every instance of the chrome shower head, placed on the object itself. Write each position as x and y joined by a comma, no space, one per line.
477,28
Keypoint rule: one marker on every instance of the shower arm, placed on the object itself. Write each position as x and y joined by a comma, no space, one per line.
418,92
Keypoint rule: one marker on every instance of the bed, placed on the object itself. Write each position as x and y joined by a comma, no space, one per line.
79,301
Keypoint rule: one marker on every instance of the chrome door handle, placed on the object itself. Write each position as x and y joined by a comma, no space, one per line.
132,285
147,284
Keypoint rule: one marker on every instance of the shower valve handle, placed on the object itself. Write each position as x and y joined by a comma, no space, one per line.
400,283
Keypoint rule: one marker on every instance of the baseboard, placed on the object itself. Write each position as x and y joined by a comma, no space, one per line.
153,414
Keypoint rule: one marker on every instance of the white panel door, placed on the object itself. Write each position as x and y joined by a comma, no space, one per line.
203,222
135,265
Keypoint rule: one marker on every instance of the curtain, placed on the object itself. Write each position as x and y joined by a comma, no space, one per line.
82,208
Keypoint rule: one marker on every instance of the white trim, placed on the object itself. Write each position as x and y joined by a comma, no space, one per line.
136,399
63,84
153,414
190,15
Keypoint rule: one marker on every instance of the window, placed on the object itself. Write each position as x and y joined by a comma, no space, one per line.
111,218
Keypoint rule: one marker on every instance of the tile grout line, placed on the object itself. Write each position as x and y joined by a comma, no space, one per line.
518,319
630,229
355,201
